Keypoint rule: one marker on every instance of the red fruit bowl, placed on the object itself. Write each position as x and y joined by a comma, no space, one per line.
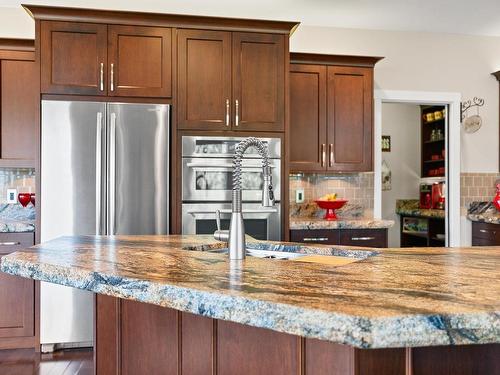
330,207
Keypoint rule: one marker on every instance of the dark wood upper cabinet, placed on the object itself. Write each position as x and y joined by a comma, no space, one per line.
73,58
140,61
97,59
350,124
231,81
308,117
331,105
204,79
259,81
19,98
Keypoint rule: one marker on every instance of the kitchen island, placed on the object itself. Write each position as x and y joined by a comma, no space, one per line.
172,304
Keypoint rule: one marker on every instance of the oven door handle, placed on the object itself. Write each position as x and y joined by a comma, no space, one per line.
228,211
228,165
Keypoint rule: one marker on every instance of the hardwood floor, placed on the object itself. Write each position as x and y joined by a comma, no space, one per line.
27,362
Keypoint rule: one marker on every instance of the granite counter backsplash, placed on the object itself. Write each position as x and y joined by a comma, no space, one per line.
411,207
311,210
16,218
484,212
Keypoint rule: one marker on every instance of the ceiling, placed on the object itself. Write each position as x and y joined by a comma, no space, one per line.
480,17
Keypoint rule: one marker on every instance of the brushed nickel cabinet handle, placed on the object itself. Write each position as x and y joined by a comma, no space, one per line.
362,238
323,154
227,112
112,76
315,239
487,231
101,77
10,243
237,117
331,154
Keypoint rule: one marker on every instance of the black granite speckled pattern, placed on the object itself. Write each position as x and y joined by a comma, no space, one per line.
396,298
484,212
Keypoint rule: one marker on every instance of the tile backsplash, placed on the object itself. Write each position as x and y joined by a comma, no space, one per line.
477,187
21,179
355,187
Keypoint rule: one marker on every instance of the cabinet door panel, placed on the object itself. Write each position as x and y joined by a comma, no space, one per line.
71,58
17,294
20,100
142,61
204,79
258,81
350,118
307,117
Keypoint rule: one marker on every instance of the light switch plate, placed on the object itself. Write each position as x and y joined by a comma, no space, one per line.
11,196
299,196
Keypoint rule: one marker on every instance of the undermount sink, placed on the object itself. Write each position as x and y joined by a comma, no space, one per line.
295,252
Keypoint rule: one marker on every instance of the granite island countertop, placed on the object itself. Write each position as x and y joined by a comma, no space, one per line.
317,223
389,298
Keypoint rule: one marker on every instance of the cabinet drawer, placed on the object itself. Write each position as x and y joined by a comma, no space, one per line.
364,237
318,236
10,242
486,231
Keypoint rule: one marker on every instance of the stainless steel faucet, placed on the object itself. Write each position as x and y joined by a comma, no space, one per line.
236,233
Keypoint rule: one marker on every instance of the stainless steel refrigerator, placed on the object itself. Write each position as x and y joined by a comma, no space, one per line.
104,170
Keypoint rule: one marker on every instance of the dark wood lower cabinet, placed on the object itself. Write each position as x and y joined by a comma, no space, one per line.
136,338
347,237
18,299
485,234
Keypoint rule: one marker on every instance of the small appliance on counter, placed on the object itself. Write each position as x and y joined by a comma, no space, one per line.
432,196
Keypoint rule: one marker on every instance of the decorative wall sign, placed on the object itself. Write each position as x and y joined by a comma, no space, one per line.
386,143
472,123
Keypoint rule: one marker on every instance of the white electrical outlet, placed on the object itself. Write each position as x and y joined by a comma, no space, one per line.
11,196
299,196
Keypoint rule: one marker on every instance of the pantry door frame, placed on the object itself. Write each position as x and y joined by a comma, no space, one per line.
452,100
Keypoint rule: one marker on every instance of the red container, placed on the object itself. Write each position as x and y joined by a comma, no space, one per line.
330,207
496,200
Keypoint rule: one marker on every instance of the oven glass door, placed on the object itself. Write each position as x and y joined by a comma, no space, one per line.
262,223
211,179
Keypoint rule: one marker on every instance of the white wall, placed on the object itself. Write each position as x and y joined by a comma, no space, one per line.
402,123
426,62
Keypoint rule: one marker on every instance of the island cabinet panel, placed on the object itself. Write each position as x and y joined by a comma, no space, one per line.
140,61
73,58
19,108
230,81
138,338
204,79
149,339
259,81
17,298
308,117
243,349
198,343
350,95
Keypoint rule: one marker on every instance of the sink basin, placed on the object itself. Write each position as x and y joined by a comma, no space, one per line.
310,254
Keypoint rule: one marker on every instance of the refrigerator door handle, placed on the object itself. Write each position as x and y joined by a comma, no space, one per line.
112,174
98,175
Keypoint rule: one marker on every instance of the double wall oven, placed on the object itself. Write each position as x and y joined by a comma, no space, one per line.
207,165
